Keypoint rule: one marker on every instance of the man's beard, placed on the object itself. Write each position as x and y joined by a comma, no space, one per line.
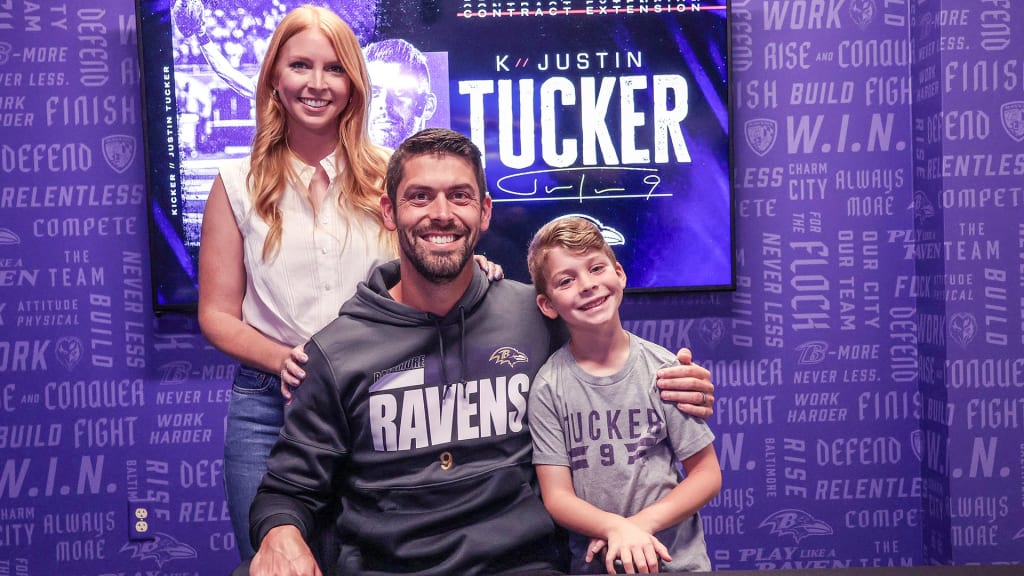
439,269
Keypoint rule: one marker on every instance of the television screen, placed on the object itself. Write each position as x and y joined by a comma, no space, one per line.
616,110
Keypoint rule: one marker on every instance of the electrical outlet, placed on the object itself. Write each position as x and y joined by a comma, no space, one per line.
141,520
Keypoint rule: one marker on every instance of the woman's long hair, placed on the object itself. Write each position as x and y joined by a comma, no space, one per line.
361,180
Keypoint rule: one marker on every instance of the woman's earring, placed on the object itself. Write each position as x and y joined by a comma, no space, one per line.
275,94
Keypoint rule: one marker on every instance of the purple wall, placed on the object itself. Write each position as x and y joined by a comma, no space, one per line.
869,365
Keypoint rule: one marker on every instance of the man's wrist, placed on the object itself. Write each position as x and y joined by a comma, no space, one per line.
268,524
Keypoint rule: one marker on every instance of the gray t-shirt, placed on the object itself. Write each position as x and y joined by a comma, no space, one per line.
622,443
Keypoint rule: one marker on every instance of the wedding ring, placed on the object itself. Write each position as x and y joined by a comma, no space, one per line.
703,399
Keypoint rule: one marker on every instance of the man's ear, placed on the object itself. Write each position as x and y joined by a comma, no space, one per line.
544,303
387,210
485,212
429,106
621,273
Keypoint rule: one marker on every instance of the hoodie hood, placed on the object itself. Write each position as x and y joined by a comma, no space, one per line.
372,300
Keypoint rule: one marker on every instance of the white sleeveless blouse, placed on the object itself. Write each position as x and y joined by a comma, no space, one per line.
298,291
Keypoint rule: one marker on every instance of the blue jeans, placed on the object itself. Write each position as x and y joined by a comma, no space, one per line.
255,416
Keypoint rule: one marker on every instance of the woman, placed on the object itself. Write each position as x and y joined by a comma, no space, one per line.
289,232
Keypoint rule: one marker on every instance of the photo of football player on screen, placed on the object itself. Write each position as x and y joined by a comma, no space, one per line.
231,42
218,48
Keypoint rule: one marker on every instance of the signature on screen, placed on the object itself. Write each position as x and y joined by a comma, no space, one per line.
579,184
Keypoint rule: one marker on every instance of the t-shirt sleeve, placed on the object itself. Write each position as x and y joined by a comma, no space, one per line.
545,421
687,434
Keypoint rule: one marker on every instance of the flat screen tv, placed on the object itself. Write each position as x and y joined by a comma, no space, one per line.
616,110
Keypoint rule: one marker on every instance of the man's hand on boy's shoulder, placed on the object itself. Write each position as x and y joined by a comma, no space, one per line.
688,385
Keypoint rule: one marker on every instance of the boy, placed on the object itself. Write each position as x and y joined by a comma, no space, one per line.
605,447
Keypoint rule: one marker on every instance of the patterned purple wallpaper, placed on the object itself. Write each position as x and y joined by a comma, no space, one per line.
870,364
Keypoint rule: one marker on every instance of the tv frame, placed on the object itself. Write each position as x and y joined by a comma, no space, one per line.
174,254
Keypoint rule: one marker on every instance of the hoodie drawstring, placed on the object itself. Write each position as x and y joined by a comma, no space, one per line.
462,354
462,350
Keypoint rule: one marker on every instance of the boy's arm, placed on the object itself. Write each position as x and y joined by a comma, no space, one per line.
702,483
626,540
688,385
569,510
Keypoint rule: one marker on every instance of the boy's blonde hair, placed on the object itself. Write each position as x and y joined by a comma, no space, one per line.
573,233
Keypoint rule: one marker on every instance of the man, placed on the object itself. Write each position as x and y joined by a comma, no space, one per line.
401,102
413,411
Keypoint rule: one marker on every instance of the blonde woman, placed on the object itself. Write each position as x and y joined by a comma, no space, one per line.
289,231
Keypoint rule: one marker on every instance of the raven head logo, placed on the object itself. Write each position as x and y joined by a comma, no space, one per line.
795,523
162,549
922,206
508,355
